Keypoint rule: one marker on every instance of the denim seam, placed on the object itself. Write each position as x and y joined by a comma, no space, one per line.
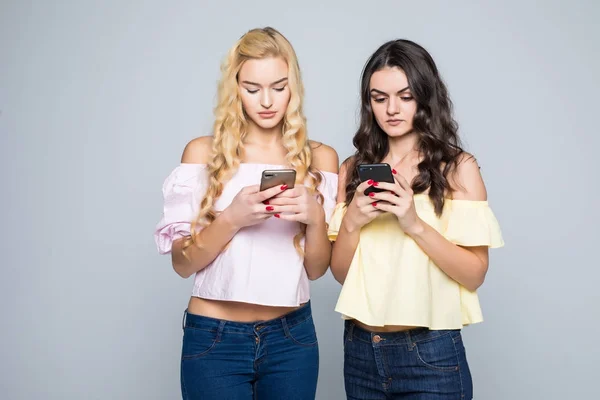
198,355
462,390
457,338
259,360
430,338
183,388
212,346
202,329
350,335
298,323
442,369
286,330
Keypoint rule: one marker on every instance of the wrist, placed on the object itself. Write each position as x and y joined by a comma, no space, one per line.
228,219
349,225
417,229
318,217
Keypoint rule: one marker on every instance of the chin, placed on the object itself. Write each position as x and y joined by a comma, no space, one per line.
396,133
263,125
267,123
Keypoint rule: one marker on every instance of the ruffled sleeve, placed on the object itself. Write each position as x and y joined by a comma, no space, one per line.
472,223
328,189
181,191
336,221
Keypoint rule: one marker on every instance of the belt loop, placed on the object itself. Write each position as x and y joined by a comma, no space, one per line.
351,331
184,318
220,330
286,328
411,344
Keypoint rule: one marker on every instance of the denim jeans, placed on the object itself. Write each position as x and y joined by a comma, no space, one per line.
275,359
418,364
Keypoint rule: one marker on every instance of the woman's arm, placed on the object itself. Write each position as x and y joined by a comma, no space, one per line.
246,209
358,213
317,247
466,265
214,237
346,242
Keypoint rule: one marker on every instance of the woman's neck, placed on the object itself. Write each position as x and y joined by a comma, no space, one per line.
401,147
268,138
264,145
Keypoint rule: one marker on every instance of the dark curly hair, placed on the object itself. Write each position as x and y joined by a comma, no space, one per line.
439,145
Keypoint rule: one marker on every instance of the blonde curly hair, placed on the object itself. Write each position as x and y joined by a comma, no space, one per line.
231,125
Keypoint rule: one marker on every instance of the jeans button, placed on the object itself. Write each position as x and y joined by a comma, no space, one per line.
376,339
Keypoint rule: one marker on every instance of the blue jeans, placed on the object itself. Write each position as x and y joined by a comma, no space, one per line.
275,359
418,364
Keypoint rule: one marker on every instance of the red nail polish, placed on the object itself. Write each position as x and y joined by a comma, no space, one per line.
266,202
394,172
375,204
371,194
375,183
276,215
269,208
370,181
283,187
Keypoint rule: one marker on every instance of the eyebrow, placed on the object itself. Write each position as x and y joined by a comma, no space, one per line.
272,84
385,94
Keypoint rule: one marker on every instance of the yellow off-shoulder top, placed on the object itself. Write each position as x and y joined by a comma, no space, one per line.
391,281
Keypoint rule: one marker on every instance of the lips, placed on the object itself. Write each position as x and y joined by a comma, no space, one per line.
394,122
267,114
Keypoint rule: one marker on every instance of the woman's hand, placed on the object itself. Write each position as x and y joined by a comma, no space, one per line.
297,204
362,209
398,200
248,208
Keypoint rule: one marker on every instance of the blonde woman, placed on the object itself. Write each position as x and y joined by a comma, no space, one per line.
248,329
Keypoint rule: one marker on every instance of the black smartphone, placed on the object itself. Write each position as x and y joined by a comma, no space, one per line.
277,177
381,172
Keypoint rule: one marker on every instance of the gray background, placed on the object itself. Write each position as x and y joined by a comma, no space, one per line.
98,99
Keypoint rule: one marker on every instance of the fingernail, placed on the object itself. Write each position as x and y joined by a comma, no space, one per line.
371,194
394,172
266,202
375,183
283,187
370,181
276,215
375,204
269,208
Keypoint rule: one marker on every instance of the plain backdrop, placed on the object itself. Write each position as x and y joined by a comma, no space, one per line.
98,99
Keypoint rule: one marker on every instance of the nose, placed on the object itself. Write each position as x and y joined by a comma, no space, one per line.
265,100
393,106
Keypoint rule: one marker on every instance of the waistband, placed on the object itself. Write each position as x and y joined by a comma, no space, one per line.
223,326
355,332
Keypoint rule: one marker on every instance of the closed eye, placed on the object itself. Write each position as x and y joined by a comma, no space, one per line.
281,89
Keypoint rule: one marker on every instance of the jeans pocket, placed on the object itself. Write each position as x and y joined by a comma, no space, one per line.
439,353
303,333
197,342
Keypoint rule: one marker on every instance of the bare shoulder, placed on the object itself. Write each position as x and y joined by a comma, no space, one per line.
345,167
324,157
466,180
198,151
